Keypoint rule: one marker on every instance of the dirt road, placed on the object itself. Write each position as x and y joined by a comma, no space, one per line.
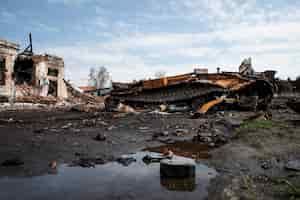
250,165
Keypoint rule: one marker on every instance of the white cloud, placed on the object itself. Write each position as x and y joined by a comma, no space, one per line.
45,27
7,16
70,2
236,30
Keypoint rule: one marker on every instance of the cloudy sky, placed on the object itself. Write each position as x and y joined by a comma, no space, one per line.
136,38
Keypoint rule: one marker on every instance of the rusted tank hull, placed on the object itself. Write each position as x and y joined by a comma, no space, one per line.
196,90
294,105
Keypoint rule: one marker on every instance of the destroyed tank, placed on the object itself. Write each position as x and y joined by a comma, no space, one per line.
200,92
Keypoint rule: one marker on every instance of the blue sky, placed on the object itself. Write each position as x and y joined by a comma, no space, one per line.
136,38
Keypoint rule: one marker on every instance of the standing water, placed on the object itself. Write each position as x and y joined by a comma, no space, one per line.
110,181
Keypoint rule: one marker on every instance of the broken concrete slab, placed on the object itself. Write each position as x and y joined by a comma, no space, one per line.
100,137
293,165
12,162
126,160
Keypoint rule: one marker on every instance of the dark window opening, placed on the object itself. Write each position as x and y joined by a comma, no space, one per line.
2,71
24,71
52,88
52,72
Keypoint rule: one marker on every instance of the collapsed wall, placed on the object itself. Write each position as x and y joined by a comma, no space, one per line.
8,54
26,74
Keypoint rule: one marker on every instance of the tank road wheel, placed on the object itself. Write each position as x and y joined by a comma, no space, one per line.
111,104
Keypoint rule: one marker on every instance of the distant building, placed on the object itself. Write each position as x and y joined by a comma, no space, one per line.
94,91
201,71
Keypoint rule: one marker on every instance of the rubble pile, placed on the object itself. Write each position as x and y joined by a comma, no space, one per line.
216,133
83,102
36,100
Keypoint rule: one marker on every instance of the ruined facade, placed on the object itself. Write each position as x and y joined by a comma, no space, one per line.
8,54
25,72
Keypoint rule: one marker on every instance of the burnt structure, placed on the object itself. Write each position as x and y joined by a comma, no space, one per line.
200,91
21,74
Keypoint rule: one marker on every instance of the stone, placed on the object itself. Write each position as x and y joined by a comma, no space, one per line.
125,108
12,162
53,164
67,126
100,137
181,132
177,167
87,162
163,108
164,133
266,165
111,128
152,158
126,160
293,165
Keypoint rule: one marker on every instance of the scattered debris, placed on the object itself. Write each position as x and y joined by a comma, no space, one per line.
53,164
153,158
125,108
294,105
260,116
67,126
181,132
12,162
111,128
293,165
87,162
100,137
163,108
126,160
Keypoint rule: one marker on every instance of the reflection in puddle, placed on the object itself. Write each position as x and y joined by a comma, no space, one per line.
186,184
189,149
108,181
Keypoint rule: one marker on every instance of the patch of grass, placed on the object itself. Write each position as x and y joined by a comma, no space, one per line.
259,124
248,185
290,190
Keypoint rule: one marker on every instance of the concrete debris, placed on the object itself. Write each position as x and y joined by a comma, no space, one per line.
260,116
181,132
67,126
87,162
12,162
153,158
126,160
163,108
294,105
293,165
111,128
125,108
217,133
176,108
100,137
53,164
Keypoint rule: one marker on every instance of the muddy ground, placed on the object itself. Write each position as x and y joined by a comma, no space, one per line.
250,161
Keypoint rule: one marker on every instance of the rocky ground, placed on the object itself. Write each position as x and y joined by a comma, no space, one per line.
250,151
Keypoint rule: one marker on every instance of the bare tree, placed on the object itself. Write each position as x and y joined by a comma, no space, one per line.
99,78
92,77
160,74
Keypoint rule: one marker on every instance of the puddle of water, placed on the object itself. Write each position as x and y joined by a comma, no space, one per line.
189,149
108,181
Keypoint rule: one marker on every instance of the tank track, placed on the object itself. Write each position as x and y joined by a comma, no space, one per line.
170,94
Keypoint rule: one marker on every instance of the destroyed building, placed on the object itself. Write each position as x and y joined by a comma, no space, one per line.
22,73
